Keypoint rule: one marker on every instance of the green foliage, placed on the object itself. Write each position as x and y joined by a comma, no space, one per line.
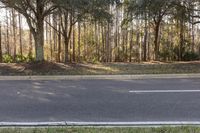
165,55
30,58
190,56
20,58
7,58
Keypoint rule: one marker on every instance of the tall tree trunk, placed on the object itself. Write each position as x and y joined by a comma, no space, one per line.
103,43
193,33
96,40
66,41
55,32
79,41
74,44
138,39
67,31
131,43
7,34
14,33
30,44
59,41
20,36
50,39
145,38
108,43
117,36
156,42
39,41
181,39
1,56
85,41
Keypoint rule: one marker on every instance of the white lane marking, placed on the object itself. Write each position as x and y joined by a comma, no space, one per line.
68,123
164,91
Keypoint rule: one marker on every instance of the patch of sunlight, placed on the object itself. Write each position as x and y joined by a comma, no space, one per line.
40,99
36,87
63,66
43,92
36,83
105,68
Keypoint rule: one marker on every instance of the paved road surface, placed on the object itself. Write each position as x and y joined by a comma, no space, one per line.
100,100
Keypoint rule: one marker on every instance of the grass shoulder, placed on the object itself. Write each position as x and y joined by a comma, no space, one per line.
51,68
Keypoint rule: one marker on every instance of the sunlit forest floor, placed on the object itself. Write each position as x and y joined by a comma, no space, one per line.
50,68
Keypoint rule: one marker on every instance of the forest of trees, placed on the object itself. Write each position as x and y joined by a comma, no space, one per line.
99,30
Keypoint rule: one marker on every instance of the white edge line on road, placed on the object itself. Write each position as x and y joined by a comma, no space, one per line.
153,123
164,91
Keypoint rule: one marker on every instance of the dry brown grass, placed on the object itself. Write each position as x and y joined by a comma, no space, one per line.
49,68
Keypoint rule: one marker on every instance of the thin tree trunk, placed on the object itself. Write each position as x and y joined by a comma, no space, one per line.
50,39
14,33
131,44
30,45
181,39
1,56
156,43
7,34
55,32
20,36
96,39
145,38
103,43
74,44
116,36
79,41
138,40
59,41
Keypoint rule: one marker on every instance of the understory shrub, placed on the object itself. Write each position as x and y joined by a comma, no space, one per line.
7,58
190,56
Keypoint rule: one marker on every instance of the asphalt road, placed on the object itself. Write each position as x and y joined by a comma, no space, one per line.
100,100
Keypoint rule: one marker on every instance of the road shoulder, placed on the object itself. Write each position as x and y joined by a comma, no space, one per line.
111,77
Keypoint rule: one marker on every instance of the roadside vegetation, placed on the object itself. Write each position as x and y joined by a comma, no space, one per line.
102,130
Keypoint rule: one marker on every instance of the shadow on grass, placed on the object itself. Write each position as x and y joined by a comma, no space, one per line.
50,68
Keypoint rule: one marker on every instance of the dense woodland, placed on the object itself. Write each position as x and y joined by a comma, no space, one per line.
99,30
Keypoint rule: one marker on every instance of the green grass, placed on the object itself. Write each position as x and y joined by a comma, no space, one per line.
103,130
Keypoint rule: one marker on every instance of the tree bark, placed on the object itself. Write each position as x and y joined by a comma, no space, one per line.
1,56
145,38
30,45
39,41
59,41
20,36
14,33
7,35
79,41
181,40
131,44
74,44
156,49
